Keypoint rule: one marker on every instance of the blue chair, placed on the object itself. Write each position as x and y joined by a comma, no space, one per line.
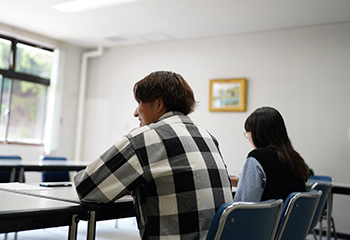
5,176
310,186
55,176
297,214
324,208
246,220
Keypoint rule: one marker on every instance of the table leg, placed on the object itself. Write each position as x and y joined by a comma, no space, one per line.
91,226
13,174
73,228
21,175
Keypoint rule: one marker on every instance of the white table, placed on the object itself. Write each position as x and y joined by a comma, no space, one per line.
20,212
90,212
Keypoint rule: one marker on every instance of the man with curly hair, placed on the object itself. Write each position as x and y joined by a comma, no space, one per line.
172,167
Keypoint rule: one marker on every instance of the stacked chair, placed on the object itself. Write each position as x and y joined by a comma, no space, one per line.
324,209
297,215
268,220
5,176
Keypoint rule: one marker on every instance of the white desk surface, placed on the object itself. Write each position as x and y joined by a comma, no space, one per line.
19,163
12,202
68,194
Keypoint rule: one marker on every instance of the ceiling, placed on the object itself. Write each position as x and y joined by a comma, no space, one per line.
150,21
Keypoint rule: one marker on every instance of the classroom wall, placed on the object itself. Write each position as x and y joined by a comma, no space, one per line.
303,72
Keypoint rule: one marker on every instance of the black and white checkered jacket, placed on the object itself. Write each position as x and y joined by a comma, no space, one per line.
175,172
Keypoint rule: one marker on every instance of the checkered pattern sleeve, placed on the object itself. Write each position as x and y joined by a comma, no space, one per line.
111,176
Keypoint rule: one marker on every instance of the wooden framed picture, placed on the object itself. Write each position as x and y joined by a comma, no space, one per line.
228,95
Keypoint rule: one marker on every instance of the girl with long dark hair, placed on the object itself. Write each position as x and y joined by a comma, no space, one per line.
273,169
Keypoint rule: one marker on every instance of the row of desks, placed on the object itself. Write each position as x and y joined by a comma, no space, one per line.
29,206
38,166
61,206
341,188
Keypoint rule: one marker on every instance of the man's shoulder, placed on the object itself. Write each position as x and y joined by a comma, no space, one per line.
145,133
138,131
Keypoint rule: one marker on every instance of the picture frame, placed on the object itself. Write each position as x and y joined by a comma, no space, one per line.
228,95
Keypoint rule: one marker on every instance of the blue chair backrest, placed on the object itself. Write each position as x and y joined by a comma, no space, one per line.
10,157
297,214
55,176
6,175
246,220
310,186
324,183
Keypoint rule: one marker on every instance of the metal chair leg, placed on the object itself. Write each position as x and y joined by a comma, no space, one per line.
314,234
321,229
6,234
329,216
334,231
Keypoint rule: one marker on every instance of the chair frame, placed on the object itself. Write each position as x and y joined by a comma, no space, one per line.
328,182
288,210
14,175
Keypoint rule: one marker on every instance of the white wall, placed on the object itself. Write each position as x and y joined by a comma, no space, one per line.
304,73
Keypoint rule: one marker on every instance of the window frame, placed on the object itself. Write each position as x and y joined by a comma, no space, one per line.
12,75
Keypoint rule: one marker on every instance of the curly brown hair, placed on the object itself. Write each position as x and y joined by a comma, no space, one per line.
171,87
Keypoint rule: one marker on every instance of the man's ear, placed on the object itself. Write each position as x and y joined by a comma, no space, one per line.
160,105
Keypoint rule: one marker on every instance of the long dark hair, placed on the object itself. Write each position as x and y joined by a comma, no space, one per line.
268,130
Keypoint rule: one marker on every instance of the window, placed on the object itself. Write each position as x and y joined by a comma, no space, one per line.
25,71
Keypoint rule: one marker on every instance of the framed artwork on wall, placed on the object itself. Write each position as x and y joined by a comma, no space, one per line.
228,95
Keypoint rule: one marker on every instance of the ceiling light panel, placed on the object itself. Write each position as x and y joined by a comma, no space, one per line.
84,5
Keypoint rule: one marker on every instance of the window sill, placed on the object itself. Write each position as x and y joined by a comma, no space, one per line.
21,143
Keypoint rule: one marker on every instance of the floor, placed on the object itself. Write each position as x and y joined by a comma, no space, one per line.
106,230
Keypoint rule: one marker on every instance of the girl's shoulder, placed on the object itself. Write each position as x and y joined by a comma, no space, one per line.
261,153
